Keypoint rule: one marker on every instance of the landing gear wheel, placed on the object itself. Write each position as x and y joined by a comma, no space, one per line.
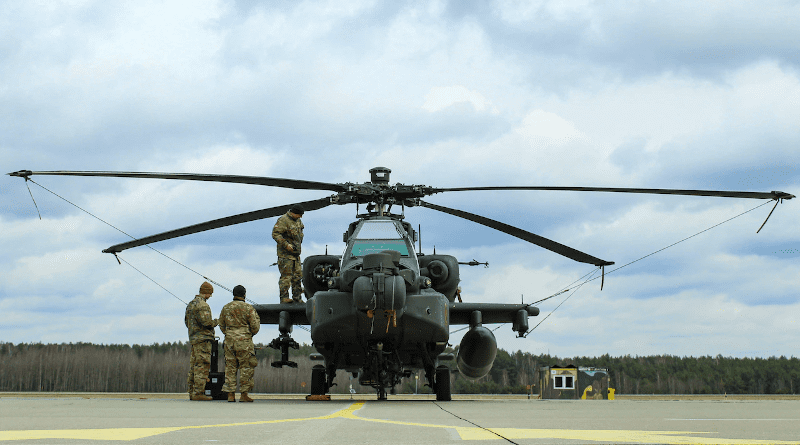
443,384
318,386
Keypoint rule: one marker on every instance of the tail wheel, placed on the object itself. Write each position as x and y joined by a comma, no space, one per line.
443,384
318,382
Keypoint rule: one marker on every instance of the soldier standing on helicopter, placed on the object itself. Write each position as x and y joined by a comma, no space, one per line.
201,334
288,233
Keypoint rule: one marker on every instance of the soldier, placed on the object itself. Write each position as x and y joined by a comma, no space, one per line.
201,334
288,233
239,322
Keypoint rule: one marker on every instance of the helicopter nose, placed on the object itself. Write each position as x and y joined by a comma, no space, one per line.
380,288
379,292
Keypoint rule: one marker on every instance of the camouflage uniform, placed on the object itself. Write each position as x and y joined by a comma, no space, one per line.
289,231
239,322
201,332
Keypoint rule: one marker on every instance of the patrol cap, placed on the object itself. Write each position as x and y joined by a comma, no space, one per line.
239,291
206,288
297,209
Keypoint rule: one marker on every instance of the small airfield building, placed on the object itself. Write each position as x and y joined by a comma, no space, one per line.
573,382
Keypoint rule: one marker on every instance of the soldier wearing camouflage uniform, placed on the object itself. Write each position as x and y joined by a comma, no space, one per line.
201,332
288,233
239,322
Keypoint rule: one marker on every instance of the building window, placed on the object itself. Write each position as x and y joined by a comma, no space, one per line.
563,382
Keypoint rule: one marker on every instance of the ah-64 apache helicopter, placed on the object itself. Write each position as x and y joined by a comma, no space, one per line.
382,310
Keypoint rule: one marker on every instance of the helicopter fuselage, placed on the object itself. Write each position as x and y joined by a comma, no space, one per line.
382,311
379,317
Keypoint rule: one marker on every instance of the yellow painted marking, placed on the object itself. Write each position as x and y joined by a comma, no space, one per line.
93,434
604,436
138,433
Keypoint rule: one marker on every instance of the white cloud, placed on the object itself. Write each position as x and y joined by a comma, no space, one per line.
440,98
542,93
540,124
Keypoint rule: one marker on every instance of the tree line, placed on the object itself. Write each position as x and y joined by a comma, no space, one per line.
86,367
661,374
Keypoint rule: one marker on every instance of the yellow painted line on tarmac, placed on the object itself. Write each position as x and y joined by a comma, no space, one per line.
128,434
605,436
91,434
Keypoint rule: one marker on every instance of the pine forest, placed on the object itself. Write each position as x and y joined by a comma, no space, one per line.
162,368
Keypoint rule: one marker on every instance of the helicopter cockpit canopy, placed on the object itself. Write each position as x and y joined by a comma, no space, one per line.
376,236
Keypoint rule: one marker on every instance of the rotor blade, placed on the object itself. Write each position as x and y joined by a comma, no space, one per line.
257,180
720,193
217,223
540,241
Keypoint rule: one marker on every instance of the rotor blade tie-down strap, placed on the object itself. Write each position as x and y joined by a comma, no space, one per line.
129,235
770,214
603,277
686,239
31,193
575,289
154,281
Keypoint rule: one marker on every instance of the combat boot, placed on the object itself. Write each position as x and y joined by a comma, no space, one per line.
297,299
231,396
197,397
286,300
245,398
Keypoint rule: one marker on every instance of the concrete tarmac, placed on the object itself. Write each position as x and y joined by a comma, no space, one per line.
286,419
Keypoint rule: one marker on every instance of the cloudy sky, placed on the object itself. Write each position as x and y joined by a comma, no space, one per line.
446,94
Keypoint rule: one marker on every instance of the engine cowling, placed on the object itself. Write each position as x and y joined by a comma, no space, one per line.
317,270
443,272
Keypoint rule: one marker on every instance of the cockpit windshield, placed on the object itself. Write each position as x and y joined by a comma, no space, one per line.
377,236
366,247
379,230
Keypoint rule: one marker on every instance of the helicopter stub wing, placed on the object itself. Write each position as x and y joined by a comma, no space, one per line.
540,241
217,223
270,313
460,313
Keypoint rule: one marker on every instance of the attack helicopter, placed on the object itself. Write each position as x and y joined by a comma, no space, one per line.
381,310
